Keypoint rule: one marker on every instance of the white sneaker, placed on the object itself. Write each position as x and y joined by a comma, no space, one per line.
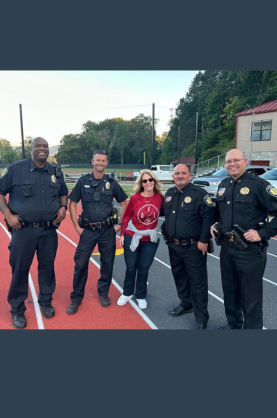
123,299
142,303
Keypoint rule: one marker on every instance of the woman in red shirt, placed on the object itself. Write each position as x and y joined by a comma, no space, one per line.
139,236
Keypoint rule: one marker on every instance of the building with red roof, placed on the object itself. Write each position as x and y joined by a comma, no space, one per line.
264,137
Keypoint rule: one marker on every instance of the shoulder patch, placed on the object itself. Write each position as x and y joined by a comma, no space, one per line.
271,190
4,172
207,199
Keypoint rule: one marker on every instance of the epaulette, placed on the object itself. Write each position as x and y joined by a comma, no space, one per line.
17,162
170,189
198,188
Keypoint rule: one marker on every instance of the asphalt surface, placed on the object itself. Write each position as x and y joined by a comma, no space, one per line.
162,295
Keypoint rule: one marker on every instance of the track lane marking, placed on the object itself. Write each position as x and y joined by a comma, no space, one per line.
33,292
211,293
263,277
139,311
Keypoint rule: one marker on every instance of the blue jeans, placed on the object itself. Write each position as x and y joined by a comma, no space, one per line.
138,263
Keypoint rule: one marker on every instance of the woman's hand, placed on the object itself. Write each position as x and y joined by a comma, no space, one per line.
121,240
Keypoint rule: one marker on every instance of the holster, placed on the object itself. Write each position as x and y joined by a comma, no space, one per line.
236,239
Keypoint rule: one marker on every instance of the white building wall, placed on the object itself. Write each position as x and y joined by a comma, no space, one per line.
261,150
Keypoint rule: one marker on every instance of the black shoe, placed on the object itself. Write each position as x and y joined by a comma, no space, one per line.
105,301
19,321
73,308
179,310
48,311
201,326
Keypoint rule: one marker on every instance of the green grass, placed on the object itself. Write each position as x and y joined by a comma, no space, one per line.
88,170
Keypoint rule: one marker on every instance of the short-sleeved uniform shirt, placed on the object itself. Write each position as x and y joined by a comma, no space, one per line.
97,196
34,193
253,198
194,214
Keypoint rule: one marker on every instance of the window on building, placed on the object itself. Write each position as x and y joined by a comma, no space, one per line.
262,130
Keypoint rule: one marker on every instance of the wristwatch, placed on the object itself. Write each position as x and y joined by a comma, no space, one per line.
120,223
64,206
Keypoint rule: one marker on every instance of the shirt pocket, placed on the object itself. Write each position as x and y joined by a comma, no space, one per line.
54,189
27,188
107,196
243,205
186,210
87,195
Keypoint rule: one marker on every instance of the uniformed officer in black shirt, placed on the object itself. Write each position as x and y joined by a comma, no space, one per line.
37,204
189,213
96,191
244,200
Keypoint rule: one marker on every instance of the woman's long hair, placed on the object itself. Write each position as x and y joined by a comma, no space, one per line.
138,188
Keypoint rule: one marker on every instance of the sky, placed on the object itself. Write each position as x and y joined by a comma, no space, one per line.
57,103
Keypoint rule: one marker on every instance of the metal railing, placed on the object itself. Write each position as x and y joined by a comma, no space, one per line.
209,166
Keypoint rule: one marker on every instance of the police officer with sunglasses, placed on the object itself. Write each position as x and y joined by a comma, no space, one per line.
97,224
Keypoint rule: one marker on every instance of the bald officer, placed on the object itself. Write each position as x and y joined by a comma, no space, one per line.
189,213
37,204
244,200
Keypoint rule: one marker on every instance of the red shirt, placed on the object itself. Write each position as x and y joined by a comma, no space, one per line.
144,212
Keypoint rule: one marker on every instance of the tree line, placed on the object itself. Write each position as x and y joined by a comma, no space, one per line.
217,95
125,141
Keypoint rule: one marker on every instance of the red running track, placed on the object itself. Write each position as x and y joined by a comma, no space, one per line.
90,315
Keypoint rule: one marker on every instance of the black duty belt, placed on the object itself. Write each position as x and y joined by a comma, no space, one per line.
97,225
178,241
46,225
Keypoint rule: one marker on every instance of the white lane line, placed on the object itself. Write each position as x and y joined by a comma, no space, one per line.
36,304
33,292
275,284
272,255
139,311
211,293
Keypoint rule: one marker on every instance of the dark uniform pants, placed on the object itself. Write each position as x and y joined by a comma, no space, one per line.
105,237
242,281
189,269
24,243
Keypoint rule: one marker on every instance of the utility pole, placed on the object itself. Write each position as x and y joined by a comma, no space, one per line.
251,142
196,138
179,136
153,132
22,135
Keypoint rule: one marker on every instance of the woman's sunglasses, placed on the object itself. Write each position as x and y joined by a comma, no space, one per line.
146,180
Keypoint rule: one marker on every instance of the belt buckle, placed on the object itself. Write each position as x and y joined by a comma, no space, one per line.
93,226
36,224
176,241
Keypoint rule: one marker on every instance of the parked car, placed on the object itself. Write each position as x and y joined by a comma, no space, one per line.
271,176
210,184
163,172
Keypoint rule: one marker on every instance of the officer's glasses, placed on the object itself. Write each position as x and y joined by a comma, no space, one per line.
146,180
233,161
